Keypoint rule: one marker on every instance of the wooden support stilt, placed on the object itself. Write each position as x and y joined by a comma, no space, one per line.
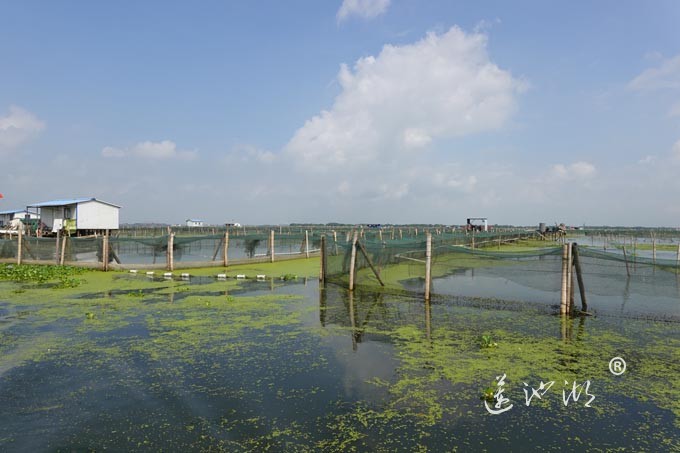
217,249
579,277
625,258
428,265
353,260
370,263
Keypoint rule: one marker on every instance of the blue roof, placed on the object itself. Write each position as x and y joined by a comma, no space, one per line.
12,211
67,202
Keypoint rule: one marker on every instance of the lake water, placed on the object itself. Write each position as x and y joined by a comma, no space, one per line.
287,366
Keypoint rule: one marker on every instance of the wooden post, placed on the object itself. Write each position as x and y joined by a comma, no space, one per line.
570,279
306,244
105,251
401,235
380,234
353,260
20,243
56,251
564,297
171,252
225,253
428,264
653,250
626,260
271,246
322,267
473,239
579,277
677,256
63,249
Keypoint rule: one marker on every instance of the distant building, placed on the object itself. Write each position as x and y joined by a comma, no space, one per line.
7,216
194,223
78,216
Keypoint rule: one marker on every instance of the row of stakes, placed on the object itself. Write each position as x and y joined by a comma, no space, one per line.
185,276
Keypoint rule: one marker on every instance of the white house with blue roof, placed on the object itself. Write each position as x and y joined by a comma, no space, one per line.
78,216
7,216
194,222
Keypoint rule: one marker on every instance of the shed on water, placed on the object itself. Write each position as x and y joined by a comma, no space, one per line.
78,216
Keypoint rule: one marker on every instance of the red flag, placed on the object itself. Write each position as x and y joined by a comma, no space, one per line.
1,196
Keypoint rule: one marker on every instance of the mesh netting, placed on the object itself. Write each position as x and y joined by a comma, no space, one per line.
521,274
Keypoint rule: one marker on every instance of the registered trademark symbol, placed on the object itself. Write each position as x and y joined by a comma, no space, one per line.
617,366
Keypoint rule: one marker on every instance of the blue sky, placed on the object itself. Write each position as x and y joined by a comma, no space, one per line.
351,111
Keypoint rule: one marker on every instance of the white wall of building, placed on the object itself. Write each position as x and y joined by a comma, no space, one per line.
95,215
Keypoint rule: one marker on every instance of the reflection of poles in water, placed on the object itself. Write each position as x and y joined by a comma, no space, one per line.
567,324
271,284
352,320
323,302
353,310
171,297
428,321
581,328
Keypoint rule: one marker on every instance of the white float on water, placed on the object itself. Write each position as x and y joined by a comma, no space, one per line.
222,276
133,271
240,276
261,277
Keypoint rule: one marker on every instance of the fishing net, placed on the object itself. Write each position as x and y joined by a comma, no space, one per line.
504,269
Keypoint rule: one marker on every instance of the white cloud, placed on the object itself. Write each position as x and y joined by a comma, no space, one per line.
575,171
367,9
408,96
163,150
665,75
649,159
249,153
17,127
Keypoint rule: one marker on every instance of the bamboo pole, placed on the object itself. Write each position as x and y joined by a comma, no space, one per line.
56,251
271,246
63,249
625,257
225,252
353,260
20,243
563,292
105,251
306,244
171,252
428,264
322,267
570,279
579,277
